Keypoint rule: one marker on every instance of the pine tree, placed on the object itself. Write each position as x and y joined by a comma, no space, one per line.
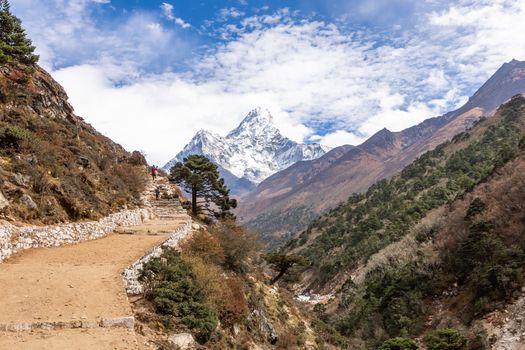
282,263
15,47
200,177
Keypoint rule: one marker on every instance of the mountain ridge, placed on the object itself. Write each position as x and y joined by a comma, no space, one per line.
438,245
251,152
322,183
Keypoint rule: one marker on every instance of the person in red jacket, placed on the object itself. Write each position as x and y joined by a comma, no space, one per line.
154,171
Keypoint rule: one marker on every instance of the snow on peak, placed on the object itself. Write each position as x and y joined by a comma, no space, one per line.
259,115
259,121
253,151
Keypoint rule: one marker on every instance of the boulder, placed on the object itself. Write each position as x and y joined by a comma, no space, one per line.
21,180
183,341
28,201
259,318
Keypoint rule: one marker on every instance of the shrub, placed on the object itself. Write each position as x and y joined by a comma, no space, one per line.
14,138
394,297
325,333
476,207
446,339
137,158
398,344
204,245
479,339
175,294
233,306
425,234
40,182
127,179
237,243
225,295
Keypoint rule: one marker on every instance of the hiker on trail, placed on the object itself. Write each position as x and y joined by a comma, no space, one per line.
157,193
154,171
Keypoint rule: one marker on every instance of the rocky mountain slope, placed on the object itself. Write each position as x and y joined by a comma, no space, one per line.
440,245
286,201
54,166
249,154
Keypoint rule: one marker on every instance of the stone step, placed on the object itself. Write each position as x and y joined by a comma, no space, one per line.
170,217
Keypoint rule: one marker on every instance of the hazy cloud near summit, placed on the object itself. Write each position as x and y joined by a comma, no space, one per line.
323,80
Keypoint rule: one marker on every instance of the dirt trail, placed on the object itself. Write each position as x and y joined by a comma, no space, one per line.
79,283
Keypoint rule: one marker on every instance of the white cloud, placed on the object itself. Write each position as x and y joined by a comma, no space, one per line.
312,75
487,32
437,78
167,9
182,23
231,12
66,33
340,137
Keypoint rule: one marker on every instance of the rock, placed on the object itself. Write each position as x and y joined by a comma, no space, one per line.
21,180
84,161
265,326
195,226
119,322
4,203
33,160
182,341
28,201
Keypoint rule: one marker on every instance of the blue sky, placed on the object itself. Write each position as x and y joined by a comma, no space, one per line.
150,74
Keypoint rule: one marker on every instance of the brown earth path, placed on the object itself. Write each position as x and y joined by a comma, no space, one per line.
79,284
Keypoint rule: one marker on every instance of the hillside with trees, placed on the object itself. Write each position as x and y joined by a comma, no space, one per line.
287,202
54,167
439,246
214,287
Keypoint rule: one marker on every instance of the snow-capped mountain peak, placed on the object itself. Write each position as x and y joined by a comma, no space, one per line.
250,153
258,115
259,121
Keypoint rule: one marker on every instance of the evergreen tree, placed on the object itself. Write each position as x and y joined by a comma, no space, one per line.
399,344
446,339
200,177
15,47
282,263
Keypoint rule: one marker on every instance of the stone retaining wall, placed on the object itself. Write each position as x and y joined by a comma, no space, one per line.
117,322
14,238
132,273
